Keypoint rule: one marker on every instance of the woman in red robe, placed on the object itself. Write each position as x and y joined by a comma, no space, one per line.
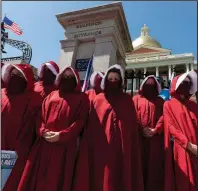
149,109
180,131
95,82
109,158
50,165
18,113
47,75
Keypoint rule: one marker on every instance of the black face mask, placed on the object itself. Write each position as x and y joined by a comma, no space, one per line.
67,85
113,87
48,77
184,89
16,85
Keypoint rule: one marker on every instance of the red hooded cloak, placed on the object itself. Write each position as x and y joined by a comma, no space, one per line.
109,157
39,87
50,166
180,122
92,92
149,114
18,114
43,91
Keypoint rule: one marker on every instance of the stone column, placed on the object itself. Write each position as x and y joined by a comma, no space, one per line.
145,69
121,62
169,72
191,66
105,53
187,67
157,71
134,82
68,53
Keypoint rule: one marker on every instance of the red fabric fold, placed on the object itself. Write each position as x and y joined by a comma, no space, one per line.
91,94
22,136
180,122
18,116
110,147
42,90
160,125
50,166
150,114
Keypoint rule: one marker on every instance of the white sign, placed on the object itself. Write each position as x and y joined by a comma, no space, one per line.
8,159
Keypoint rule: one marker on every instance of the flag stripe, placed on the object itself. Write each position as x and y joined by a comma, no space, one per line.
19,32
87,76
15,31
12,26
15,28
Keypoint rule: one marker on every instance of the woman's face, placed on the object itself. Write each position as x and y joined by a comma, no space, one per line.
187,81
17,83
184,88
113,77
68,73
113,83
68,81
17,73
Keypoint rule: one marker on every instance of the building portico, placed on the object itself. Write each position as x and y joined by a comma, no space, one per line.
149,58
103,32
100,31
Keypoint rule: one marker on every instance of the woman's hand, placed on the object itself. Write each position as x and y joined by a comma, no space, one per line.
51,136
47,134
148,132
192,148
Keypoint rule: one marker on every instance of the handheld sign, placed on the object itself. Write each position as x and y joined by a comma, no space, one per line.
8,159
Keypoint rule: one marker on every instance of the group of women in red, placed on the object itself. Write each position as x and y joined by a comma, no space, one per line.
100,140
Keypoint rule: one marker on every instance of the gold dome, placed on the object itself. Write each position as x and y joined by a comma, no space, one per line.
145,39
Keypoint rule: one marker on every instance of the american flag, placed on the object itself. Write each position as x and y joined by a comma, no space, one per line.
12,26
87,76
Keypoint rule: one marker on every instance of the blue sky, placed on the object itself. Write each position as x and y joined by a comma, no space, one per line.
173,24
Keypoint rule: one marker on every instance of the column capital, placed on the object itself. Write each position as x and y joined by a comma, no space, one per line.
106,38
69,43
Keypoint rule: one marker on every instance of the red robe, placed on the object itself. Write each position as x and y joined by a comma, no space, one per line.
91,94
149,114
110,147
50,166
18,114
180,122
95,83
42,90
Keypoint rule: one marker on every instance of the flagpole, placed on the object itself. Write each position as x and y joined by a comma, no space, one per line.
88,74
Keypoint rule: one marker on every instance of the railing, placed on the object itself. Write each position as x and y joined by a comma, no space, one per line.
12,59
